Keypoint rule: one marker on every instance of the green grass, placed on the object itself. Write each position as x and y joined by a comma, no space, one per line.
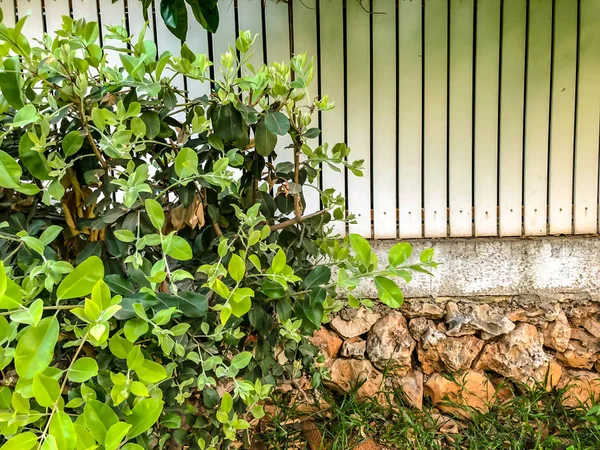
534,419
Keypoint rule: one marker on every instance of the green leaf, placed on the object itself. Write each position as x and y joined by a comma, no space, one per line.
135,328
362,248
83,369
399,253
277,123
186,163
226,403
427,255
177,248
11,82
81,281
63,430
99,417
155,212
72,142
193,304
10,172
152,122
31,315
36,348
264,140
34,244
50,233
26,115
389,293
278,263
35,162
13,296
23,441
138,127
115,435
228,123
319,276
45,390
152,372
241,360
174,14
236,267
206,13
143,416
125,235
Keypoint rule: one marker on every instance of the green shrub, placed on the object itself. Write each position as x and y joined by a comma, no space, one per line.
159,276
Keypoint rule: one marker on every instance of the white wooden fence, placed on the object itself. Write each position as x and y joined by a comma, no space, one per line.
474,117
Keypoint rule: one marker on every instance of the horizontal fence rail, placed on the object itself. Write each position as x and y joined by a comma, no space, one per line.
474,117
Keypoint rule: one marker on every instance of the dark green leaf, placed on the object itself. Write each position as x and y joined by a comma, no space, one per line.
277,123
319,276
228,123
174,15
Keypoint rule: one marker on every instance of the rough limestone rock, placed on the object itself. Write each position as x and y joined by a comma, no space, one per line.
582,351
412,388
520,356
328,342
592,325
558,333
437,352
582,387
346,374
428,310
389,343
471,389
470,318
360,324
445,424
536,314
354,348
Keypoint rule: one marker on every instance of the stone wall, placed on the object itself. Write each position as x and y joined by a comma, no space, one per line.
487,343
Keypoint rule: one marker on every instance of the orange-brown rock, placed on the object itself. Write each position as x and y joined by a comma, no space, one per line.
558,333
360,323
347,374
582,387
354,348
368,445
469,390
440,353
520,356
389,343
412,388
328,342
582,351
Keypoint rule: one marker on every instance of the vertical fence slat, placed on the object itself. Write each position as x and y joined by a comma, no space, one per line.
511,116
305,41
8,10
410,126
588,116
460,133
537,111
112,14
84,9
225,35
54,10
486,117
135,17
384,120
358,104
332,84
562,124
34,25
198,43
250,19
435,114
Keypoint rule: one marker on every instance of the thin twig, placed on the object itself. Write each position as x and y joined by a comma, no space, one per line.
295,220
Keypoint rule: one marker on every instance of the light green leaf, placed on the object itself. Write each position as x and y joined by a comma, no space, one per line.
72,142
177,248
186,163
226,403
99,417
241,360
36,347
138,127
115,435
278,263
389,293
399,253
81,281
31,315
63,430
46,390
13,296
83,369
155,212
50,233
135,328
23,441
10,171
26,115
125,235
362,248
144,415
151,372
236,267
